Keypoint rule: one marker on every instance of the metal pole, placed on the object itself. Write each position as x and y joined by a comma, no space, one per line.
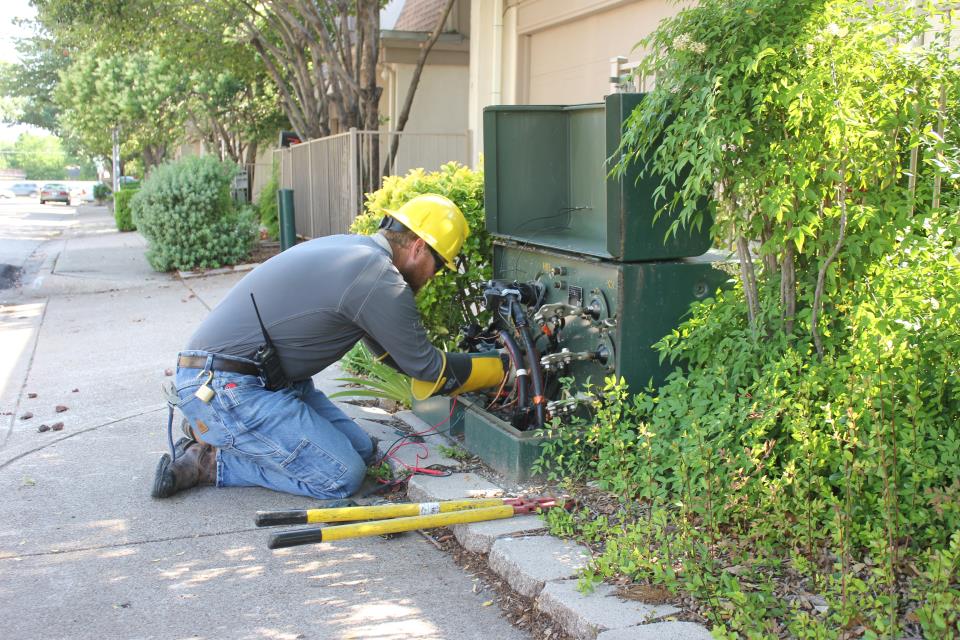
288,229
116,159
312,208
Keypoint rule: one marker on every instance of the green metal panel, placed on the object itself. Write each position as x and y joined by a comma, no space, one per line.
586,222
546,183
525,184
634,232
642,301
509,451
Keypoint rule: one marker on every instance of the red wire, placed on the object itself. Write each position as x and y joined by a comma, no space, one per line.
416,468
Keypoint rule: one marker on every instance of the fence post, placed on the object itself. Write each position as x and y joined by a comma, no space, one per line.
313,202
354,165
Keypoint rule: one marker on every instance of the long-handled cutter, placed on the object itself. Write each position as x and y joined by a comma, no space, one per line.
394,518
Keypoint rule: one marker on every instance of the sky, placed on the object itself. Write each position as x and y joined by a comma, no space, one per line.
390,13
9,11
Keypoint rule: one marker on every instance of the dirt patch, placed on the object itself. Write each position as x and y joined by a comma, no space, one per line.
263,251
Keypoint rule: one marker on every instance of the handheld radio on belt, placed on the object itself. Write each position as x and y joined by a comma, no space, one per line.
267,359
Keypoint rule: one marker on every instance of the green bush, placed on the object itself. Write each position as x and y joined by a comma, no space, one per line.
185,212
445,302
815,435
267,205
831,464
122,209
101,192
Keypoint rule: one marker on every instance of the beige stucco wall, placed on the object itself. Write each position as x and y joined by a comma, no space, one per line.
552,51
440,103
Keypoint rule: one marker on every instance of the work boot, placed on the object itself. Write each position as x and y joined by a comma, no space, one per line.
195,466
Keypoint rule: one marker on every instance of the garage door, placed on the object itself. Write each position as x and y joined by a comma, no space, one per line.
570,63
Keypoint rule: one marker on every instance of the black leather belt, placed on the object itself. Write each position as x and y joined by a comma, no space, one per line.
219,364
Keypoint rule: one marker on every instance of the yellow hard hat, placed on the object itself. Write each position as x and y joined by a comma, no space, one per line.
438,221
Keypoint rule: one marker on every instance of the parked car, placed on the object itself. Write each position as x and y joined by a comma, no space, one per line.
6,194
28,189
55,192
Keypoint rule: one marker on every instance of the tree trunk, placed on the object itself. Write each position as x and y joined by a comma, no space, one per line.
412,89
822,275
322,56
153,155
250,164
369,54
749,281
788,287
769,259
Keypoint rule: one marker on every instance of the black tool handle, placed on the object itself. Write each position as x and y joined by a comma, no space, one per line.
274,518
295,538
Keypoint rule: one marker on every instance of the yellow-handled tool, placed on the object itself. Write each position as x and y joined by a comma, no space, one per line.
374,512
382,527
427,515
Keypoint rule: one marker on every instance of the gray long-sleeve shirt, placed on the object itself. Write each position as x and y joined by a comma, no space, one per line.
317,300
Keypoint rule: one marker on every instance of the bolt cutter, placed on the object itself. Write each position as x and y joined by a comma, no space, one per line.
394,518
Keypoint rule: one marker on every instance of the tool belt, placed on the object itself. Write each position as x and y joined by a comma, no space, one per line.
219,364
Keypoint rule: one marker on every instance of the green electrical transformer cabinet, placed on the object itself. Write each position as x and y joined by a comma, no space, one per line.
546,182
586,278
615,311
610,315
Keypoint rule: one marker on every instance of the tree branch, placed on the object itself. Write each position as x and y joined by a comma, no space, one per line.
822,275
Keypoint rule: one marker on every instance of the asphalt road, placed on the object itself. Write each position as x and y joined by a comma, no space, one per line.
25,224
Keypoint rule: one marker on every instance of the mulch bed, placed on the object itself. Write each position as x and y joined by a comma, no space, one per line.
263,251
520,611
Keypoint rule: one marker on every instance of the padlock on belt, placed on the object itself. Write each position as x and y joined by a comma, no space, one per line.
205,393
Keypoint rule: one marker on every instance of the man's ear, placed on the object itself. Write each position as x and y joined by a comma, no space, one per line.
419,246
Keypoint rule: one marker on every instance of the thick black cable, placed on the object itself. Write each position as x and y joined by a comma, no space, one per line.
536,377
533,361
521,382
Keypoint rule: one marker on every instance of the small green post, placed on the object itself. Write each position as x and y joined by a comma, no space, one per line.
288,229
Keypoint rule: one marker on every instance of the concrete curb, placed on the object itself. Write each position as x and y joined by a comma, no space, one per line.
544,568
589,615
238,268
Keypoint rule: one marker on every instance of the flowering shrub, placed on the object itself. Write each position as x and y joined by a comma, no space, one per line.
185,212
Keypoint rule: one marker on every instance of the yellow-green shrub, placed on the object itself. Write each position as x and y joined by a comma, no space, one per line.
445,302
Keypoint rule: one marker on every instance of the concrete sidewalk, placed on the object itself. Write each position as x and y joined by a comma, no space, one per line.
86,553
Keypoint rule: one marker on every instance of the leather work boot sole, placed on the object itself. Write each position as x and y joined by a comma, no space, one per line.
196,465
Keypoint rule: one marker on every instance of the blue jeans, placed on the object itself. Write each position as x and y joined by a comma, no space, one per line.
293,440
